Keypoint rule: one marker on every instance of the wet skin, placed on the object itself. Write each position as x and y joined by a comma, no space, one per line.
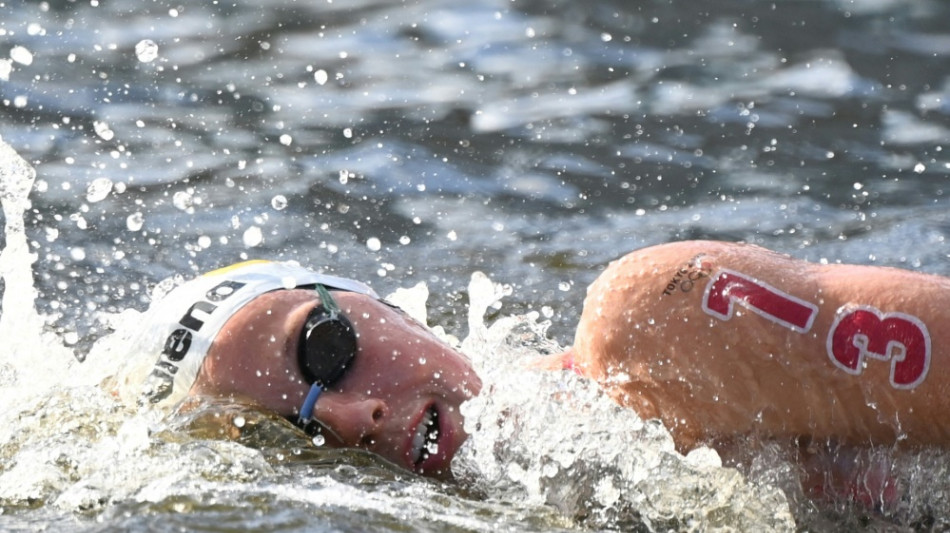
646,336
402,377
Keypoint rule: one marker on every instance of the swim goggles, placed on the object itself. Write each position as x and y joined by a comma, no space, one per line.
327,347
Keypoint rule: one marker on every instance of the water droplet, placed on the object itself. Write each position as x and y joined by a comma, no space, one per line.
422,360
77,253
239,421
318,440
135,221
286,140
279,202
404,240
253,236
183,200
146,50
98,190
452,236
71,338
103,130
919,168
564,286
321,76
21,55
373,244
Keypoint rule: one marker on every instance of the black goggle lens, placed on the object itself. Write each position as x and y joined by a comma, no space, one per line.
327,346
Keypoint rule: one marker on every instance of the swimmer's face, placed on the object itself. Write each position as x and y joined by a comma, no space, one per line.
400,394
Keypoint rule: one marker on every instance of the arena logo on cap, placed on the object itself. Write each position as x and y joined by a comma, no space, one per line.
177,344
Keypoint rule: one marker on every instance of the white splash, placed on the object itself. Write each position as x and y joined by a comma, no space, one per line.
20,325
554,438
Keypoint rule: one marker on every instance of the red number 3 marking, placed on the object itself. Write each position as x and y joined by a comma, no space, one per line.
857,333
864,332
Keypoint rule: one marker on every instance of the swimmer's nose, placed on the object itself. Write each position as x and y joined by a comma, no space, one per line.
352,422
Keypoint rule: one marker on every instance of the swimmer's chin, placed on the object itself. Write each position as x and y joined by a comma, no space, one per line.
239,420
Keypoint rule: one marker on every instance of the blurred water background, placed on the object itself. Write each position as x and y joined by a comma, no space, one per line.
422,141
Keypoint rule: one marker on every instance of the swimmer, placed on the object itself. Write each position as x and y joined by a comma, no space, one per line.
716,340
323,351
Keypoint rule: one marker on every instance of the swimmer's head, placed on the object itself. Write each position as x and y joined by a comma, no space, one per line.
182,325
258,331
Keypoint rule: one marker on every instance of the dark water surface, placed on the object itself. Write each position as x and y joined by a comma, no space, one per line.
400,142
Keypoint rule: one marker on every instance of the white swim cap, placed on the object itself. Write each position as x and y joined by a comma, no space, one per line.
181,326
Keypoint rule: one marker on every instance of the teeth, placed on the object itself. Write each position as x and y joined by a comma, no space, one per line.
425,439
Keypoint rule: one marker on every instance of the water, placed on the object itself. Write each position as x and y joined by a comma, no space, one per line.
422,142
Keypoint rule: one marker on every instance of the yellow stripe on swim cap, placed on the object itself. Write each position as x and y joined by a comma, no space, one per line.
235,266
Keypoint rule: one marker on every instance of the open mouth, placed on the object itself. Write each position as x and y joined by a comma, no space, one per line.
425,440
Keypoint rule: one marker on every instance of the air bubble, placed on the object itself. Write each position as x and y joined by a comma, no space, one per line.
279,202
373,244
321,76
